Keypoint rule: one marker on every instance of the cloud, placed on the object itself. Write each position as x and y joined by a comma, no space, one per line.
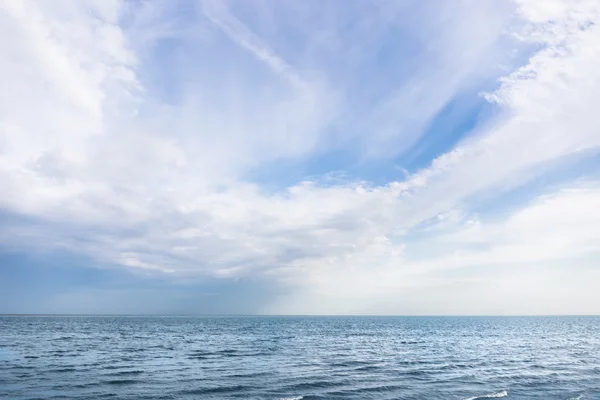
544,254
133,142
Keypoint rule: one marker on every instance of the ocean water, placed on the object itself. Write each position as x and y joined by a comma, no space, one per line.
93,357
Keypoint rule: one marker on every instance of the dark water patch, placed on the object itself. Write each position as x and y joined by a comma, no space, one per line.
198,357
312,385
110,366
120,382
217,390
63,353
202,354
126,373
367,368
85,385
63,339
248,375
163,347
416,374
26,367
63,370
228,352
350,363
135,350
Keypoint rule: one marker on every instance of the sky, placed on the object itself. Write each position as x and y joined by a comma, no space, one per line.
378,157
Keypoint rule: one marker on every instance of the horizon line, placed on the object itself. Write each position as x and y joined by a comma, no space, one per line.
289,315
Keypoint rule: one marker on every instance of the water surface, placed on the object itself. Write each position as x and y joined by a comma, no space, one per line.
85,357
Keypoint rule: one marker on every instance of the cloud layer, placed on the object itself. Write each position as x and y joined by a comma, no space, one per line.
130,133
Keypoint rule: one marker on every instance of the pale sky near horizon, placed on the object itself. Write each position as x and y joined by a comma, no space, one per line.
300,157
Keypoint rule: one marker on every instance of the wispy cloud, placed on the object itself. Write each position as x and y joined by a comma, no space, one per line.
218,13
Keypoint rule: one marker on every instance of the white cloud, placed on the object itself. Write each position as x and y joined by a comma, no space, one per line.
93,160
544,253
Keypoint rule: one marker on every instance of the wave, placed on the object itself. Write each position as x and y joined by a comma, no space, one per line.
498,395
292,398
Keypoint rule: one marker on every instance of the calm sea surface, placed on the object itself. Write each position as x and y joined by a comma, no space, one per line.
84,357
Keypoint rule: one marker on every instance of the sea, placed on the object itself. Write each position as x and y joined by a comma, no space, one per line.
293,358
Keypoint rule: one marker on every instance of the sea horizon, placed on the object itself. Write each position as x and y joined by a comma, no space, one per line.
300,315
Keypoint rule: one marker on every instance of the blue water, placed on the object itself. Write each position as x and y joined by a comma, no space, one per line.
87,357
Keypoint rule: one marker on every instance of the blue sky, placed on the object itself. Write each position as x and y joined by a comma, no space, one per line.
285,157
